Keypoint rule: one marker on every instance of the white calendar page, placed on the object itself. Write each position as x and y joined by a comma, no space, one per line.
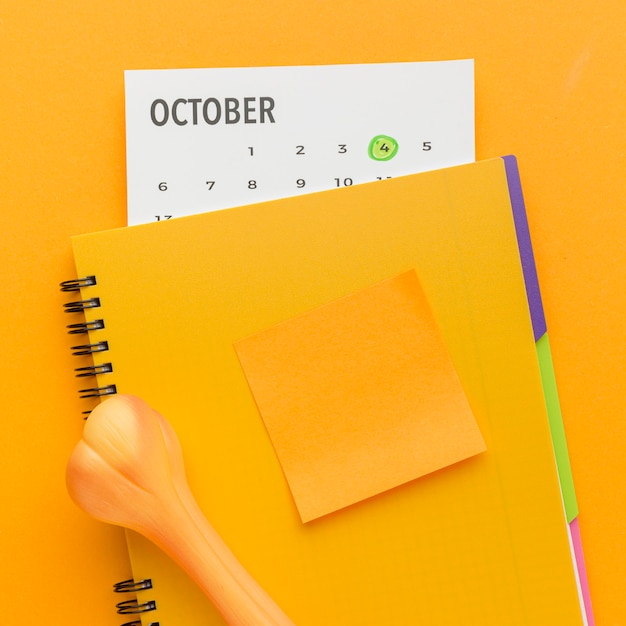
206,139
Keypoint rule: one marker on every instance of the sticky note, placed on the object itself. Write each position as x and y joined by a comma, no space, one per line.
359,396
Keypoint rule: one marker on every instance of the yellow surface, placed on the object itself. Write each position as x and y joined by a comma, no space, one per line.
549,88
469,544
359,395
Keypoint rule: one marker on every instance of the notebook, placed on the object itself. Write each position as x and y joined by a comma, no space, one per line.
483,540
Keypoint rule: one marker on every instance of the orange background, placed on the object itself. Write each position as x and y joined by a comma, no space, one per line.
550,88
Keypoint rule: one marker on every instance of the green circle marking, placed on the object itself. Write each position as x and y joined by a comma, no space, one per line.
382,148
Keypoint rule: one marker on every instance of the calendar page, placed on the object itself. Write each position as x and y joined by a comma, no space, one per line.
206,139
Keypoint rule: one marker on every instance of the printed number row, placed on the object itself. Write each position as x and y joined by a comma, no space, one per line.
342,148
300,183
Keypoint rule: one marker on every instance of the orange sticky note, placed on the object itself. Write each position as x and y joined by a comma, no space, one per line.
359,396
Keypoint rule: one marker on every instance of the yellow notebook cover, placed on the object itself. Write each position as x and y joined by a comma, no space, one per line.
479,542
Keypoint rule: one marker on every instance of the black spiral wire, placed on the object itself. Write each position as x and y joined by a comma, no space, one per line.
132,606
82,328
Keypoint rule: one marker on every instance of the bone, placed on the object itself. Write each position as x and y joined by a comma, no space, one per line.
128,470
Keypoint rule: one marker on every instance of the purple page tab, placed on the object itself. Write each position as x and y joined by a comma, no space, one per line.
525,247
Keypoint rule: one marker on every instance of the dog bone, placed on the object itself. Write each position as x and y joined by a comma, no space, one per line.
128,470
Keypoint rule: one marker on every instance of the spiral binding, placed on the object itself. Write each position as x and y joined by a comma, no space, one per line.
81,305
85,327
133,606
76,283
131,585
93,370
